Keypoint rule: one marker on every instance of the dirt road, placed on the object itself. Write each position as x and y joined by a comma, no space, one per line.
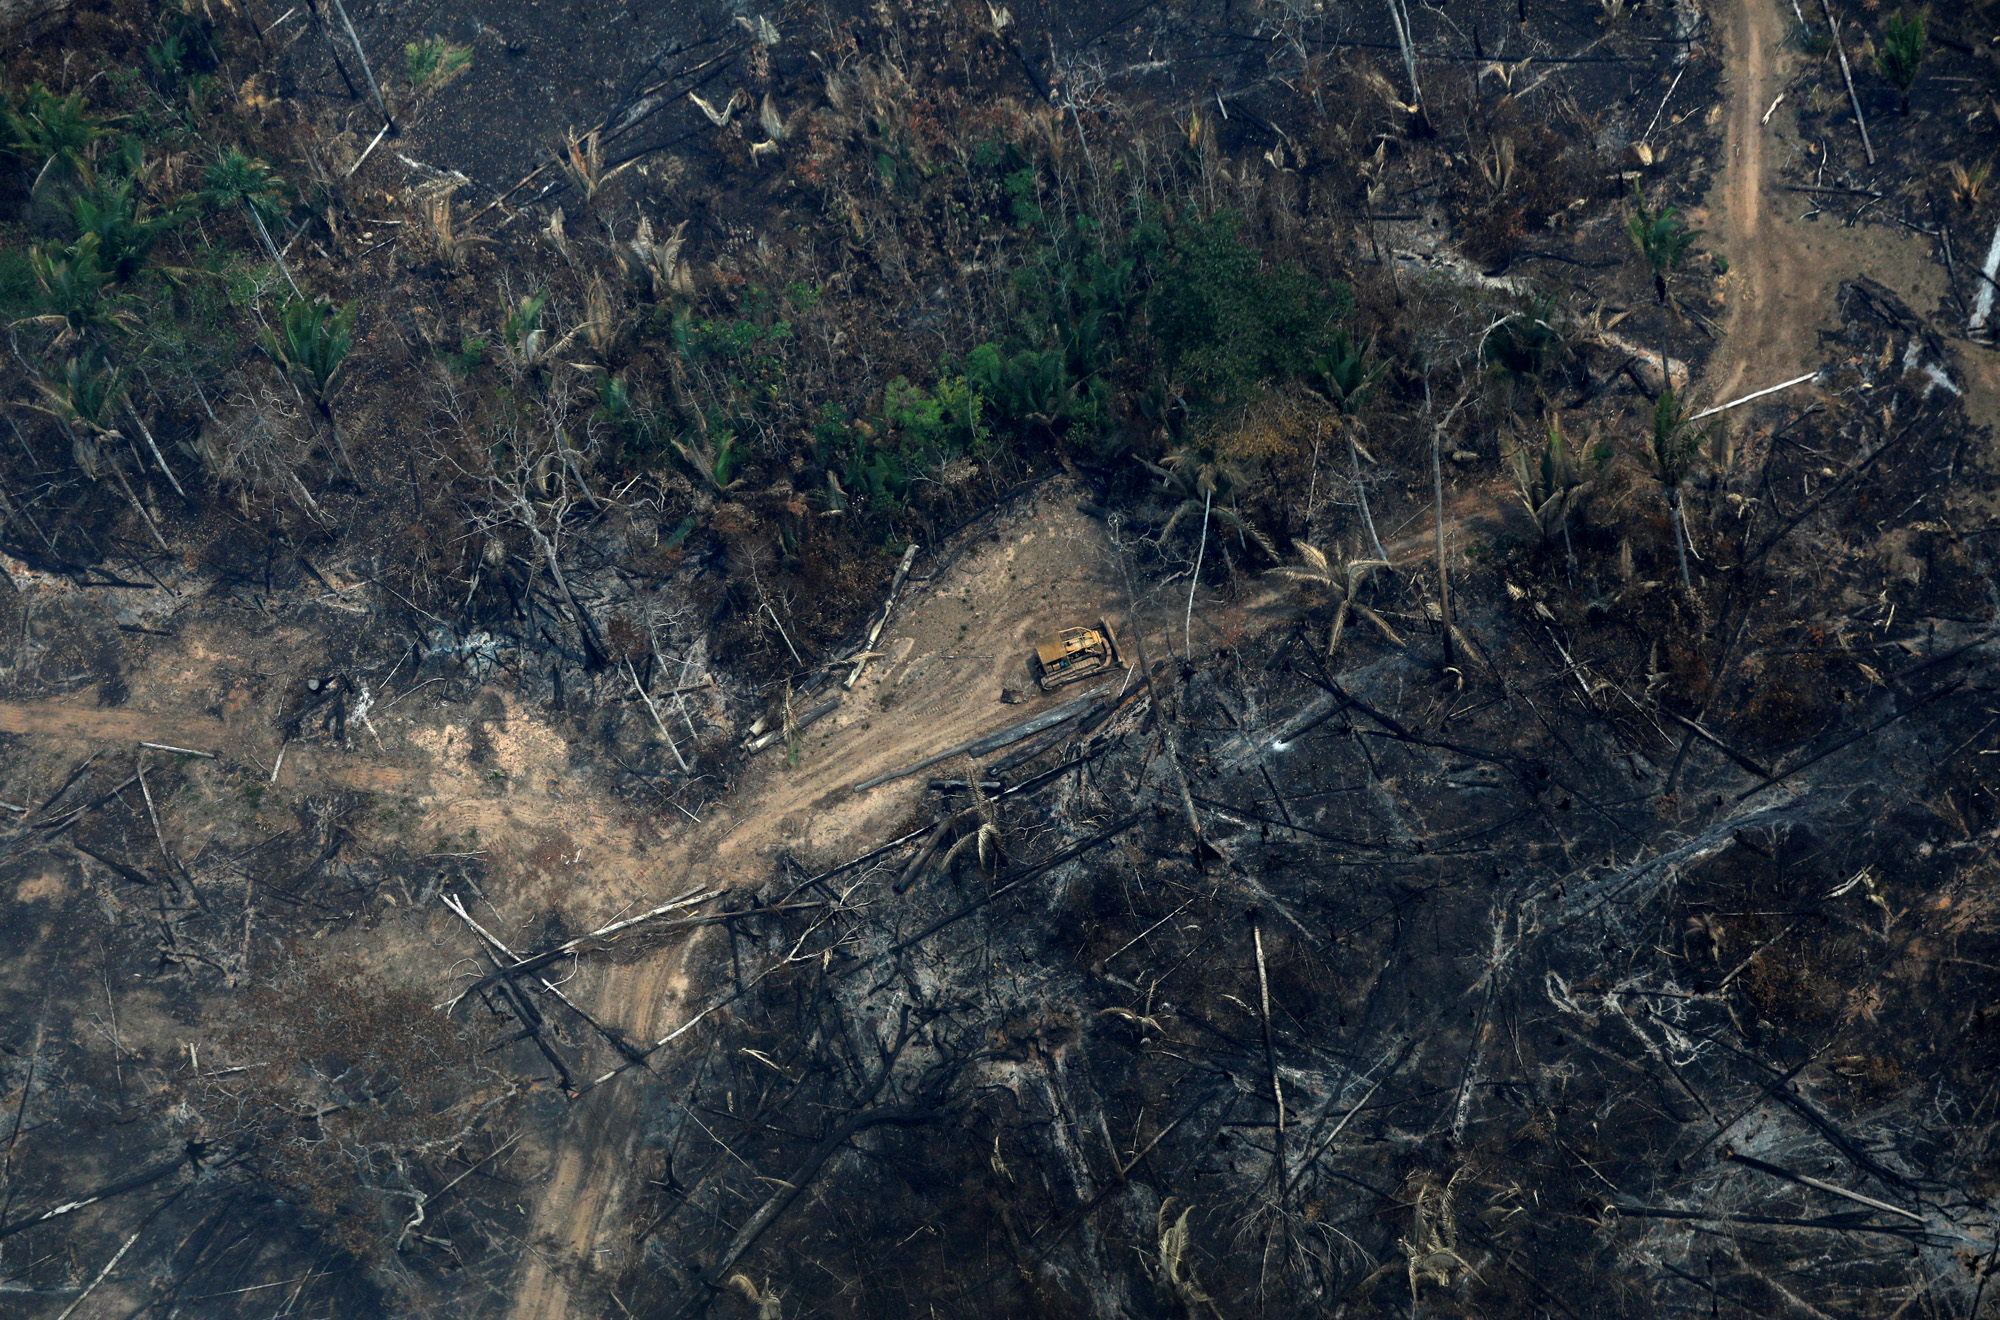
946,654
1786,269
954,641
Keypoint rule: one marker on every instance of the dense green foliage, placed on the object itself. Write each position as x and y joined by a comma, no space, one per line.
1904,38
1224,321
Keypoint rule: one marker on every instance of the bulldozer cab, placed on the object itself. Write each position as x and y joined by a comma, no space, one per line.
1073,654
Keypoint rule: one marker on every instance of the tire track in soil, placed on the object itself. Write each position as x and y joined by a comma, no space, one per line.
952,644
937,684
1785,270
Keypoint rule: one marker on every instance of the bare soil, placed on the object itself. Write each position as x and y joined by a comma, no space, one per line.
545,838
948,650
1788,255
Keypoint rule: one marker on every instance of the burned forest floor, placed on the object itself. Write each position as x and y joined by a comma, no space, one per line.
524,530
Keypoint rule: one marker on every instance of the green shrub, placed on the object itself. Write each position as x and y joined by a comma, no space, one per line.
51,132
1223,321
469,358
1344,372
1032,392
433,62
311,343
73,286
1904,38
115,211
1079,294
19,294
920,431
236,177
1661,238
931,426
1022,200
185,55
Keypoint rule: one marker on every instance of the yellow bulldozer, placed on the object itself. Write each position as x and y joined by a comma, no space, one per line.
1075,654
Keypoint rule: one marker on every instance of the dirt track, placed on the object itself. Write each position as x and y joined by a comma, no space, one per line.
1786,269
954,641
946,653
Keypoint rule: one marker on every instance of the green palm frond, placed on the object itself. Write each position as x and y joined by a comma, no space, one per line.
1904,38
83,391
116,212
236,177
1675,441
1661,238
76,288
311,343
1344,370
53,130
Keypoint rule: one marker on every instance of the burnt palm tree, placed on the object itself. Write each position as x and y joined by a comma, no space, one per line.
1550,481
1343,582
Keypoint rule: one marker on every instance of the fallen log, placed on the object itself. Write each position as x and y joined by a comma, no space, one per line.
1808,1181
1023,755
1846,73
116,1188
616,1040
991,742
1855,1222
125,872
825,708
1833,192
1755,394
888,607
579,944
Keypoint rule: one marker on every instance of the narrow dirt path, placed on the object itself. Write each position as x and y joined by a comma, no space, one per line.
1785,269
1766,325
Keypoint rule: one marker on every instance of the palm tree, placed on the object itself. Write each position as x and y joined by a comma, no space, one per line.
1661,238
235,177
1343,584
1550,482
981,823
1344,370
116,212
1205,482
1198,475
81,395
1675,445
310,345
77,290
976,829
1902,58
53,129
1350,382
